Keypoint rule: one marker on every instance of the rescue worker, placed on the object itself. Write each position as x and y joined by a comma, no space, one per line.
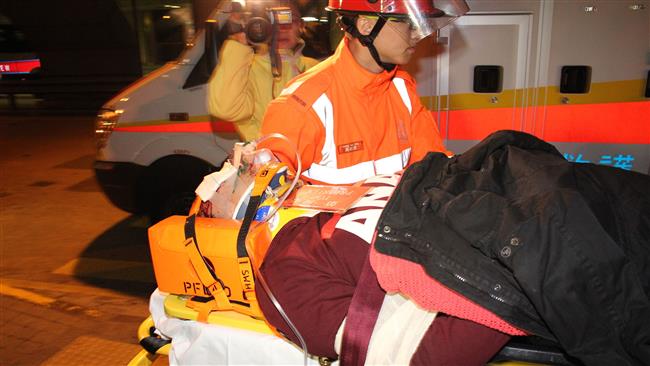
355,117
358,114
243,84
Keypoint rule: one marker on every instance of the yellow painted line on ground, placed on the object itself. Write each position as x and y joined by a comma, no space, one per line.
73,289
25,295
108,269
64,288
87,350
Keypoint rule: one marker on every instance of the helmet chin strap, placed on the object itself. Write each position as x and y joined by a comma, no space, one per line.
368,41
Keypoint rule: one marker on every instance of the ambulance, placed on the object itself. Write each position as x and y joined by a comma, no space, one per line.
574,73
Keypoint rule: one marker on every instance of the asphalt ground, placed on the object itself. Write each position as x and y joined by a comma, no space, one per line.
75,272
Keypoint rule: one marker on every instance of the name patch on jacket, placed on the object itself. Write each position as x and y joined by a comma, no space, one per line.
351,147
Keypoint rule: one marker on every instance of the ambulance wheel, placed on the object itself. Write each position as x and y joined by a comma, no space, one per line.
172,182
170,202
177,203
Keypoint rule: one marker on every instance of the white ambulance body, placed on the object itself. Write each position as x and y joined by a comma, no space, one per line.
156,140
574,73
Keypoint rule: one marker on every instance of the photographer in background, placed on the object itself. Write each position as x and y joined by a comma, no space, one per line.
253,69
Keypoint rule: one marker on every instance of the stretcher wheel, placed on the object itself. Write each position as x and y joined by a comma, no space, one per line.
153,344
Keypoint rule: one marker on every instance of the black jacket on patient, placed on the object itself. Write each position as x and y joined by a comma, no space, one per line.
559,249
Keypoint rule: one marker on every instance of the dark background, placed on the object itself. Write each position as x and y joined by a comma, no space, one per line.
90,49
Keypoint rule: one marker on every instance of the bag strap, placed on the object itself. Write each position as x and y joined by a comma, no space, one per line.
206,274
362,316
246,276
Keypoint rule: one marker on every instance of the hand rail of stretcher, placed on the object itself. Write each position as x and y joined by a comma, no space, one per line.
529,350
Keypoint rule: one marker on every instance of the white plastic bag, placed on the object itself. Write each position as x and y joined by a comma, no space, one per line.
228,190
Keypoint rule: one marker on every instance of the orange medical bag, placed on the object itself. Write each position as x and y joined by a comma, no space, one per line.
211,259
177,274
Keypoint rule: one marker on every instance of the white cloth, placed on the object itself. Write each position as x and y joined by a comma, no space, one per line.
400,326
195,343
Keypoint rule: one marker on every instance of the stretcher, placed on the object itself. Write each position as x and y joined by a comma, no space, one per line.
234,338
223,335
228,338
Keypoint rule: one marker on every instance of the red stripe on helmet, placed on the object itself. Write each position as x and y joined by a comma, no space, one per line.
384,6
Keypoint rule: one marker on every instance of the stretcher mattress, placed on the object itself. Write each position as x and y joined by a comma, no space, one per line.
195,343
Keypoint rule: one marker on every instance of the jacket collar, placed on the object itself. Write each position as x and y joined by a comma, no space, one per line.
356,76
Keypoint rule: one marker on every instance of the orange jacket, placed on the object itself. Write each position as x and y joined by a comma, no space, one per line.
350,124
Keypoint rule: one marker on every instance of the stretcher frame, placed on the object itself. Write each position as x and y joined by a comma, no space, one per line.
520,351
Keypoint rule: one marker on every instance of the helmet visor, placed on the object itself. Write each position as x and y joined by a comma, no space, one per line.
424,17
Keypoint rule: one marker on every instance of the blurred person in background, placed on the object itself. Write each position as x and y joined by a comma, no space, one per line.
245,79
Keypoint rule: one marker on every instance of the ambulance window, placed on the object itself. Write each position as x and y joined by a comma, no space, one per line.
488,79
575,79
647,85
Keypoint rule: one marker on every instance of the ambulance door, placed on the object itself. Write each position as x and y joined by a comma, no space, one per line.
597,109
482,77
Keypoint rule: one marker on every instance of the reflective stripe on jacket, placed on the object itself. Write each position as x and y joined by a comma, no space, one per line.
327,169
349,124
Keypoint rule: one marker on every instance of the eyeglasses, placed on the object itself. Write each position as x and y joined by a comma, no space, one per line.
399,20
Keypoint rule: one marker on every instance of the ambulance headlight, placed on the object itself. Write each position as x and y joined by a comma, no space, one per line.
106,121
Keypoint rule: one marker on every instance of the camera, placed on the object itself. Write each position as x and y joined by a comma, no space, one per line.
260,24
259,29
